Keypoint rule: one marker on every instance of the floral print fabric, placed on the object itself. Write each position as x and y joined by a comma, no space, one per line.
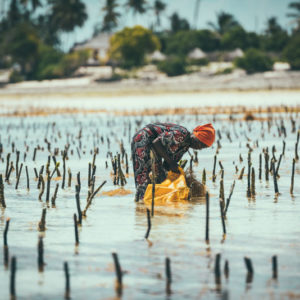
174,138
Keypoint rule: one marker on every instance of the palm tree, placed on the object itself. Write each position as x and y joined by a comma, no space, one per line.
196,12
296,14
272,26
67,14
34,4
159,7
225,22
138,6
110,19
178,24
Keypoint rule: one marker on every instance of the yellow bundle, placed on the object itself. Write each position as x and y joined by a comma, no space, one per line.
173,189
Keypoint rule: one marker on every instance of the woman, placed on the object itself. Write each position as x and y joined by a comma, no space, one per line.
170,142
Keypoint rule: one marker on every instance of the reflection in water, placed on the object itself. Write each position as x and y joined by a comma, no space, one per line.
258,227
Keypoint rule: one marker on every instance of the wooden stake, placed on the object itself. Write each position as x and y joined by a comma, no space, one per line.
207,218
2,198
217,269
76,230
13,268
260,168
5,232
250,270
292,178
67,275
18,178
241,174
41,254
228,199
89,202
27,177
168,275
274,267
78,205
54,195
119,273
275,179
214,169
253,183
226,269
48,186
149,224
42,223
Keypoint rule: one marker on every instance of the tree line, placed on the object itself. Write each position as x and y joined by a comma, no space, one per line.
31,35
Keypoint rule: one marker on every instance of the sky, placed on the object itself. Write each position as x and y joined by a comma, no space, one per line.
251,14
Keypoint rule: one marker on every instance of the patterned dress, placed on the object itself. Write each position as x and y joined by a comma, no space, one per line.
174,138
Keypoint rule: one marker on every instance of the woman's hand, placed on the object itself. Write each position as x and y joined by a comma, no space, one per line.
174,167
161,152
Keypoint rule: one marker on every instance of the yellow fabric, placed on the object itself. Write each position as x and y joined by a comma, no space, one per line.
173,189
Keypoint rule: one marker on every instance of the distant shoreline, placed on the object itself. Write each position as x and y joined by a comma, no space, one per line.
192,83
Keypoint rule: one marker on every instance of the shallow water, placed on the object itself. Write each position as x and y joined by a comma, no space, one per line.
258,228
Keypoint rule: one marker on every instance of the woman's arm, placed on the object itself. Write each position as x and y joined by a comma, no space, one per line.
161,151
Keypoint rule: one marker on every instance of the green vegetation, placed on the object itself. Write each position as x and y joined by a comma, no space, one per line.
292,52
129,46
31,38
173,66
254,61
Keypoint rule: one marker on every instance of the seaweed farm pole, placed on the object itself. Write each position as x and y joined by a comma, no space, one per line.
64,169
217,269
207,219
283,148
48,186
17,163
149,224
278,165
90,198
222,217
260,169
18,178
214,169
54,195
13,269
78,182
249,175
274,267
67,275
5,232
78,205
267,165
253,182
228,199
41,254
296,147
42,223
41,180
27,177
250,270
153,182
168,275
226,269
76,230
7,165
292,178
119,273
2,199
275,179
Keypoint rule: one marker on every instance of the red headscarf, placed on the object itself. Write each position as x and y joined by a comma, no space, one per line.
205,134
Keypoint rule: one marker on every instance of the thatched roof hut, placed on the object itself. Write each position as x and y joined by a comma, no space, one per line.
157,56
99,43
197,53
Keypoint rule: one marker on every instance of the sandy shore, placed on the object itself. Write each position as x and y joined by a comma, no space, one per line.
196,82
